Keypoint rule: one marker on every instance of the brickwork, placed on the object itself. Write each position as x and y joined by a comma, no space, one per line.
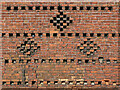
60,44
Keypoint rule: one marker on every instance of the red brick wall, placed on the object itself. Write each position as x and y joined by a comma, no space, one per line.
60,61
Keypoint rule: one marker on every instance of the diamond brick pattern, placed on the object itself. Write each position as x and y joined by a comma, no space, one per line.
60,45
29,47
88,47
61,21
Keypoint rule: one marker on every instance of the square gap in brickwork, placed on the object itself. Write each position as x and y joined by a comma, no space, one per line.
3,34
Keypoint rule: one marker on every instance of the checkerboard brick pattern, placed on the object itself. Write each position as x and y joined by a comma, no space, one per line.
60,44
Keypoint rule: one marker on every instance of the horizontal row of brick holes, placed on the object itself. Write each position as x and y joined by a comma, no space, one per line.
79,61
59,8
61,82
64,34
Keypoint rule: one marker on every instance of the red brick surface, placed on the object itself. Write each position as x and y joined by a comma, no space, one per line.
60,61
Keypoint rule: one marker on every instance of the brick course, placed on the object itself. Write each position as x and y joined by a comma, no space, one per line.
80,50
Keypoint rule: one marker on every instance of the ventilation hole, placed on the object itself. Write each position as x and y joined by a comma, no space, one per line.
33,34
84,34
63,82
47,34
11,83
88,45
25,34
66,7
6,61
101,59
23,8
81,50
57,60
81,8
91,53
85,42
61,24
108,61
88,8
77,34
44,7
40,34
110,8
55,34
37,8
10,34
71,21
15,8
86,61
102,8
9,8
64,26
93,61
68,19
3,83
74,8
51,7
88,39
59,7
41,82
58,21
38,47
64,60
20,61
113,34
78,82
114,83
95,8
43,61
70,82
55,82
115,61
95,45
62,34
30,8
85,82
92,83
106,80
26,83
98,34
13,61
17,34
91,43
84,52
72,60
78,47
79,61
91,34
61,13
106,35
58,16
28,38
48,82
33,82
3,34
35,60
99,82
70,34
50,60
61,29
28,61
18,83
